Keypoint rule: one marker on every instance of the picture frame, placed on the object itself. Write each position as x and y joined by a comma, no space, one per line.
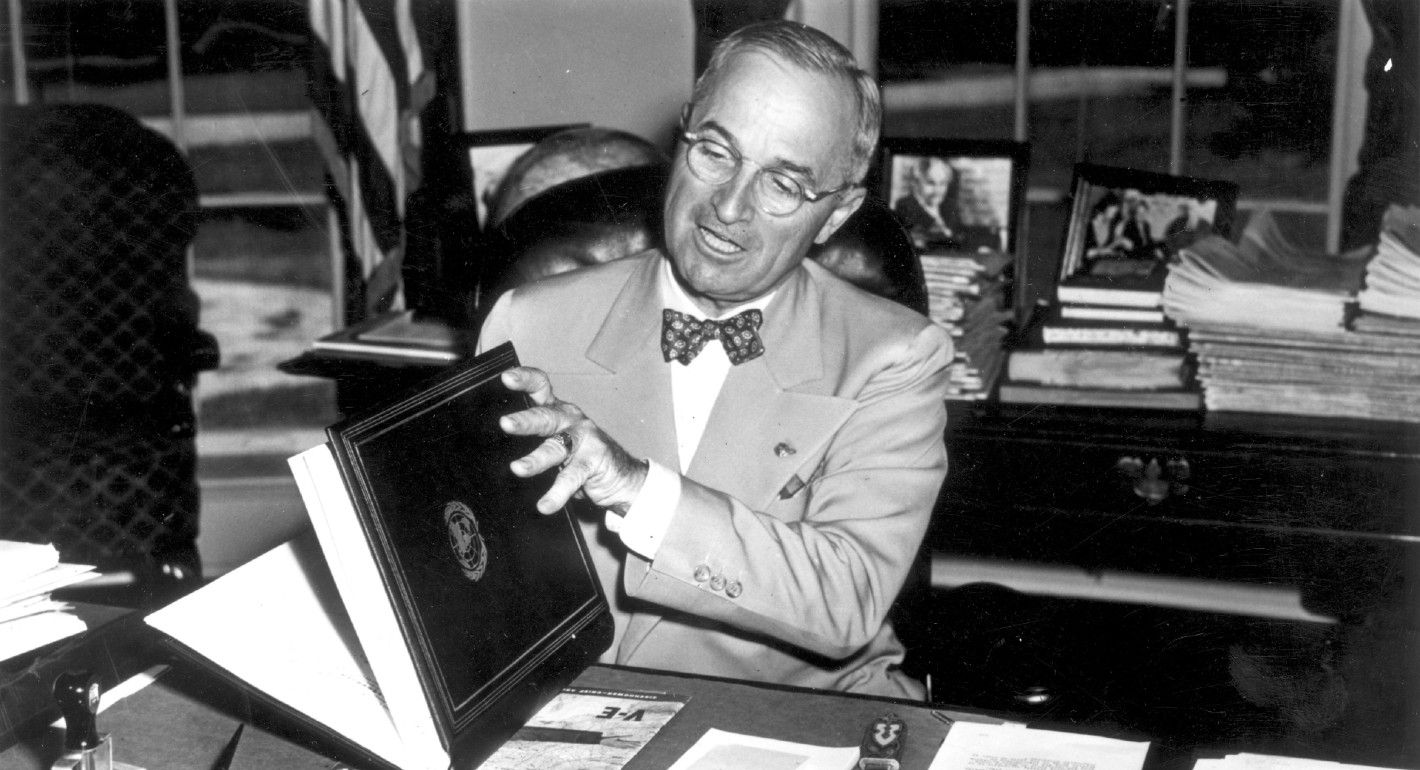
978,187
1126,225
490,153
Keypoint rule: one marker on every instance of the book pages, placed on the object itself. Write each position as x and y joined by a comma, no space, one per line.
246,622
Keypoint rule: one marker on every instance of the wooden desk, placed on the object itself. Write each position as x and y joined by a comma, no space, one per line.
1260,586
185,719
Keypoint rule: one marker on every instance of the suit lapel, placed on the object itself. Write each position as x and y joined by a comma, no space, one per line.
628,347
772,412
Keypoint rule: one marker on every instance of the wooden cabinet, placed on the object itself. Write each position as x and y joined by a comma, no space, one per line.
1221,553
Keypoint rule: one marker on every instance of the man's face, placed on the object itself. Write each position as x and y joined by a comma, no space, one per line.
724,249
932,184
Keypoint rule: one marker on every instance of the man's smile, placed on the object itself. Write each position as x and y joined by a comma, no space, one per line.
717,243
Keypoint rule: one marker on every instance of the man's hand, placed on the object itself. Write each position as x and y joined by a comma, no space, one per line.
593,464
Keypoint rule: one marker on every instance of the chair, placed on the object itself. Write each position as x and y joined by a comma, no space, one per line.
99,343
614,214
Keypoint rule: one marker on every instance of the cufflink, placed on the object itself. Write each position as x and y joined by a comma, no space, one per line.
717,583
784,449
701,574
733,589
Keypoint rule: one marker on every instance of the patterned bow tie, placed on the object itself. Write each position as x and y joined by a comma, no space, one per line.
683,336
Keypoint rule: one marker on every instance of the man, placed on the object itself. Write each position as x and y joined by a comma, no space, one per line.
926,213
765,498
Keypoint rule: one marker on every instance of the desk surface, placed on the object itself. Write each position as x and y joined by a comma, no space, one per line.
184,721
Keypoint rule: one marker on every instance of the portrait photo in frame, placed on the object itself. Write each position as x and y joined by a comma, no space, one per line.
1125,226
955,194
490,153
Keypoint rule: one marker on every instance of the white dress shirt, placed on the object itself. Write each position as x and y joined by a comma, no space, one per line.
694,388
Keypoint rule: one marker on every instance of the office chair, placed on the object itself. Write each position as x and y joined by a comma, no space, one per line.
99,343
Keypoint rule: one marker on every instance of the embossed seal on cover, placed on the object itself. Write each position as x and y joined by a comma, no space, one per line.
465,540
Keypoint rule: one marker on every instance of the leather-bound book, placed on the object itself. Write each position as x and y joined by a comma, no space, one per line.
439,611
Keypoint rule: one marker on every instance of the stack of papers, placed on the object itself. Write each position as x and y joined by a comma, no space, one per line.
29,618
1263,281
1393,275
1336,373
1268,325
966,295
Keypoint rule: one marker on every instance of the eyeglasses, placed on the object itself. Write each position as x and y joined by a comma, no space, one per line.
776,193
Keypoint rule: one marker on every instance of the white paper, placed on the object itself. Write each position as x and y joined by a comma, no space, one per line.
971,746
39,583
20,560
1273,762
34,631
721,750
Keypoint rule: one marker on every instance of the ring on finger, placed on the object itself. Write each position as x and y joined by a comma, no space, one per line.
565,439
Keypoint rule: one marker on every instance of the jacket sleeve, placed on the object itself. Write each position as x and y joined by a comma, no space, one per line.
821,569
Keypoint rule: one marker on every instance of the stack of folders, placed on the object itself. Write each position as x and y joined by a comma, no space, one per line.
1117,349
1268,324
29,617
1390,301
967,296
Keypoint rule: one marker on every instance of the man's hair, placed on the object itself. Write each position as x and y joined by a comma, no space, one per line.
814,51
923,166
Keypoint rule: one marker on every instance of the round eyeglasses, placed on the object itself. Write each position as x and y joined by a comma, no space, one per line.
776,193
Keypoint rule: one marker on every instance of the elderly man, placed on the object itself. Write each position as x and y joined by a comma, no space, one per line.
762,496
926,213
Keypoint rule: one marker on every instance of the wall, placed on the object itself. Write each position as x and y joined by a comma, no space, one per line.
619,63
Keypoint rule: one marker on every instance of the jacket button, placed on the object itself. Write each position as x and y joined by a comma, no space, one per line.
733,589
702,574
717,583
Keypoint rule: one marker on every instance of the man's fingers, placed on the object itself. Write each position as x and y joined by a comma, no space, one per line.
536,421
549,454
568,481
531,381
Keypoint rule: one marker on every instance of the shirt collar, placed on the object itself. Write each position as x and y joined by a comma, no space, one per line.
674,297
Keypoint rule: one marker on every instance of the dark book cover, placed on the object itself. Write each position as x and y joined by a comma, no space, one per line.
499,605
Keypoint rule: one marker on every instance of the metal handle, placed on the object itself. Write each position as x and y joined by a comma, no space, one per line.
1155,481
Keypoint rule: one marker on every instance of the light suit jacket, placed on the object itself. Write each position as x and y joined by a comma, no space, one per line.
808,495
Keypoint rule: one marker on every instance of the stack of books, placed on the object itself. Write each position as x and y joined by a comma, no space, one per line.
29,617
968,295
1107,344
1390,301
1268,324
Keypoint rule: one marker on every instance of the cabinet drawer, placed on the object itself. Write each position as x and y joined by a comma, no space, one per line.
1344,494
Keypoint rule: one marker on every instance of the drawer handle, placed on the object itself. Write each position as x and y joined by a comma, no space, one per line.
1154,481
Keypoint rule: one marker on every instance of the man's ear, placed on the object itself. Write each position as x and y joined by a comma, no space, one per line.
848,203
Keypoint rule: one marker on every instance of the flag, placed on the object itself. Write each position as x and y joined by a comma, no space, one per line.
369,83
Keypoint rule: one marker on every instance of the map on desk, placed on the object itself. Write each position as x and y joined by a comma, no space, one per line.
587,728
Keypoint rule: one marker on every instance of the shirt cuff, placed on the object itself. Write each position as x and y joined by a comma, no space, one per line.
644,526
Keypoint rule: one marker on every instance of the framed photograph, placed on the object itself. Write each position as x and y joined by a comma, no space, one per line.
1125,226
490,153
956,195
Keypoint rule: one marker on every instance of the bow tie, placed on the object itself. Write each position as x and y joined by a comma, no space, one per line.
683,336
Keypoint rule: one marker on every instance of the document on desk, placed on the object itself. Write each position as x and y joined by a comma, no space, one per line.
29,618
1273,762
587,728
973,746
722,750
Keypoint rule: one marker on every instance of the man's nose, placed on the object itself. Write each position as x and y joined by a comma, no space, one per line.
734,199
